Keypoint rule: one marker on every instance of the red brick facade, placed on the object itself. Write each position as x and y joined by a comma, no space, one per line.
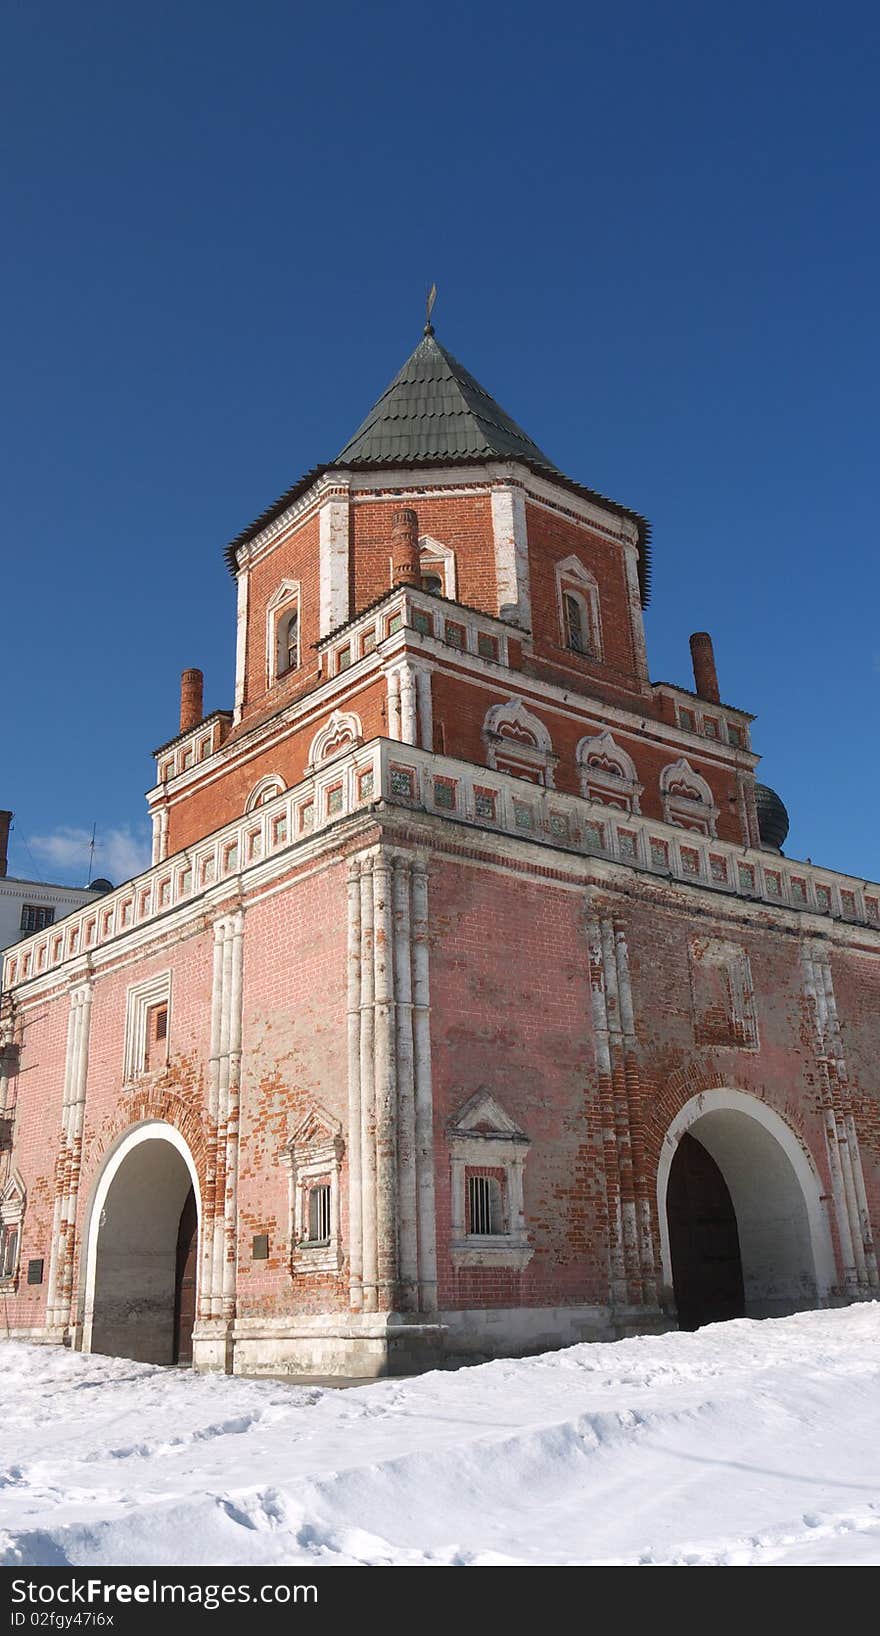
504,913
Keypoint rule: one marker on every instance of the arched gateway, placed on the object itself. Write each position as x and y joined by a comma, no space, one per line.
142,1256
743,1225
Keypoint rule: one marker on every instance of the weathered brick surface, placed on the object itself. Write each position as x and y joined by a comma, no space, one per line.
518,965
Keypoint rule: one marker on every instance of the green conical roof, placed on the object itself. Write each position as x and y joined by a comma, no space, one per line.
435,413
434,410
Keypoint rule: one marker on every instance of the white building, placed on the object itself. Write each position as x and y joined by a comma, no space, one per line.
27,905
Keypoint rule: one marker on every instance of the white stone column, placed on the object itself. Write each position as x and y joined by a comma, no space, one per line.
815,991
406,1107
333,562
393,684
233,1114
219,1249
647,1257
511,555
616,1251
368,1095
408,719
355,1179
386,1087
241,642
209,1202
851,1157
425,709
60,1281
424,1096
636,616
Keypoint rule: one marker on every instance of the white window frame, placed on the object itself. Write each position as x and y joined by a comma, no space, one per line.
483,1137
574,579
598,784
12,1206
343,725
139,1002
435,552
696,813
259,796
538,756
314,1154
283,601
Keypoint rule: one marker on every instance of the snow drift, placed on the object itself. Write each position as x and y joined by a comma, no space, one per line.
747,1443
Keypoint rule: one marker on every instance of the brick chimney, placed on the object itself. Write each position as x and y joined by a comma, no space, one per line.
705,674
191,685
405,567
5,821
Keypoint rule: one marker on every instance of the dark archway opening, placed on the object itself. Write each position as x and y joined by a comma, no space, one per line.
707,1271
185,1280
145,1273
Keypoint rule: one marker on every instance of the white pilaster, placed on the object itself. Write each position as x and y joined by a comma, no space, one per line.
355,1179
425,709
408,718
333,563
241,642
424,1096
636,616
511,555
368,1095
393,682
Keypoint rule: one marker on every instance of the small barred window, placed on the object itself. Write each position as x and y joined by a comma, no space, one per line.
319,1214
484,1206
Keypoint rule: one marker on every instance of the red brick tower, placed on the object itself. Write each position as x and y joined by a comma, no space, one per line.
467,1005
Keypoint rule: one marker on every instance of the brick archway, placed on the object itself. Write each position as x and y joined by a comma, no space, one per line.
147,1181
785,1237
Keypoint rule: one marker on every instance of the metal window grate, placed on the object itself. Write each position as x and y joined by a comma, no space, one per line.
319,1214
484,1205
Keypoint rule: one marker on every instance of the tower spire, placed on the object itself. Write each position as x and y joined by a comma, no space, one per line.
429,308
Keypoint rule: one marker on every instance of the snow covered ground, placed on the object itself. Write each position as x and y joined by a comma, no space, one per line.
748,1443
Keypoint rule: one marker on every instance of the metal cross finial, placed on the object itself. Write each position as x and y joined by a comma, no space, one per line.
429,308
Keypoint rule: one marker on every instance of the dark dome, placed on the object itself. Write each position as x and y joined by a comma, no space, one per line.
100,885
772,816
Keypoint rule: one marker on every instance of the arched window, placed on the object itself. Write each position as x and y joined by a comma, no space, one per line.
289,651
608,773
12,1202
342,732
575,635
437,567
687,799
266,790
518,743
578,602
283,636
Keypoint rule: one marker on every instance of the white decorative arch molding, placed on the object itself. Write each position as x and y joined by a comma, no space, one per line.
483,1139
573,578
717,1118
342,732
314,1156
149,1130
265,790
433,551
607,772
286,598
687,798
14,1197
518,742
12,1205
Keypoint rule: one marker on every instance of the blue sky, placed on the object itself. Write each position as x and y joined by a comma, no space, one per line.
655,235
